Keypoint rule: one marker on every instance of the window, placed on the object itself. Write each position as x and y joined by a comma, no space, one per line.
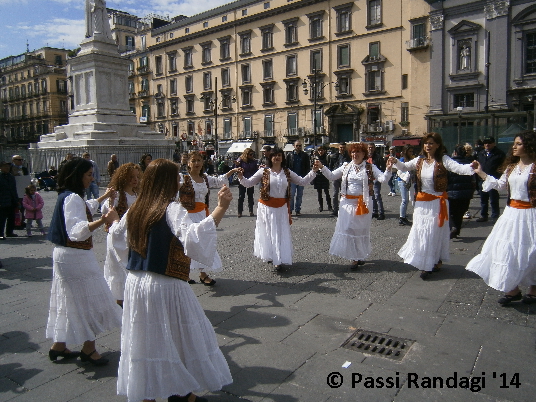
267,69
404,81
291,31
208,128
292,68
343,20
315,25
129,42
244,12
172,62
58,61
374,50
60,84
226,99
227,128
225,77
44,86
173,86
206,55
266,5
144,84
158,39
188,57
131,87
530,51
158,64
464,100
404,111
224,18
269,125
344,80
374,80
374,12
292,91
246,125
159,89
343,56
316,60
189,83
267,37
190,127
131,68
205,24
418,34
207,102
174,107
245,43
246,96
171,35
292,123
186,30
207,81
30,87
267,93
189,105
316,118
225,48
160,106
246,73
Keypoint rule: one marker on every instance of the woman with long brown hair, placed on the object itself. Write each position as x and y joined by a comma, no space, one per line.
125,185
428,241
508,257
168,346
194,195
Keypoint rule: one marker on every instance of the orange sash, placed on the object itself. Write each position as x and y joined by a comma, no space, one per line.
273,202
199,206
520,204
361,207
443,210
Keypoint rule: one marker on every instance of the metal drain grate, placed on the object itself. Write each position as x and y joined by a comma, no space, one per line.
378,344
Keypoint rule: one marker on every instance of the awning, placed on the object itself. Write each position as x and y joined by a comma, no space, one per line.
239,147
288,148
406,141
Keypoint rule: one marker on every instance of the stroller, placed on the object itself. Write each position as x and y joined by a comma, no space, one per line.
45,181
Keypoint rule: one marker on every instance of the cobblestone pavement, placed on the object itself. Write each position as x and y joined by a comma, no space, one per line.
282,333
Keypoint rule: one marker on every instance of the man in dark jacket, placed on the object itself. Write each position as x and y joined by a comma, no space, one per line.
460,190
377,203
299,162
336,160
490,158
8,201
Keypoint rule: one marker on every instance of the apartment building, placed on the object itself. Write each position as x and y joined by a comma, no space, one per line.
278,70
33,94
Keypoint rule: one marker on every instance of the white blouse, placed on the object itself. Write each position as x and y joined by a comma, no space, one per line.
76,223
106,204
201,189
357,177
517,181
278,181
427,171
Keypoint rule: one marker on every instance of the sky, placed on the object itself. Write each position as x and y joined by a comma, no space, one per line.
60,23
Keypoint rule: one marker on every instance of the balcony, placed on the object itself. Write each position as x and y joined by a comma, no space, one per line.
418,43
132,95
143,94
144,70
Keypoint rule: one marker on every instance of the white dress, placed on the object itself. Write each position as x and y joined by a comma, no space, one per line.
168,346
508,257
114,273
201,191
273,241
428,242
351,239
81,304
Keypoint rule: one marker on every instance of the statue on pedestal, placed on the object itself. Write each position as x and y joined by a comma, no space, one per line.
465,58
97,19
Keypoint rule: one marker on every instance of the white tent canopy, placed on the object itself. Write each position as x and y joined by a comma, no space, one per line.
239,147
288,148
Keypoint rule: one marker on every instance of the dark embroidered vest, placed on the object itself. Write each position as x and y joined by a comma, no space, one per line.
440,176
370,175
531,183
165,254
265,184
187,193
57,232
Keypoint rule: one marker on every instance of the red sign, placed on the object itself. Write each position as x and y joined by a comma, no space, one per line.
194,143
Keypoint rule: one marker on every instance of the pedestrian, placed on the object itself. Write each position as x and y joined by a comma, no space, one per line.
299,162
125,186
266,150
68,157
168,346
351,239
194,193
508,257
336,160
320,182
249,165
377,160
427,246
81,304
113,165
18,169
490,159
183,167
144,161
273,242
33,205
406,181
9,200
93,189
460,191
391,182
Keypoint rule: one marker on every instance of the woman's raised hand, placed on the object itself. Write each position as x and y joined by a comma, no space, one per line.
111,216
224,197
477,168
240,172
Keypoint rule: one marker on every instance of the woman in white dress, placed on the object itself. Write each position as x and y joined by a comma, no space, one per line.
351,239
81,304
508,257
273,243
168,346
428,241
194,196
125,183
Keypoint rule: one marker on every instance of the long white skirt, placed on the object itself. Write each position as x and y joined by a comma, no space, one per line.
273,241
351,239
81,304
508,257
168,346
427,242
197,266
114,273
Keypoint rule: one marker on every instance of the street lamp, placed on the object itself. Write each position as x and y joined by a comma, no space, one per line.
315,87
460,110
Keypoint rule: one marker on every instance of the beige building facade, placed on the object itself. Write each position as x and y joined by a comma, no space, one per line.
274,71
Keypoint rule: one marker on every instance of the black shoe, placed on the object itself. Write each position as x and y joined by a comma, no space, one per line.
211,283
408,223
381,217
482,219
425,274
453,233
191,281
65,353
298,213
374,216
176,398
401,222
12,235
529,299
98,362
506,299
494,217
